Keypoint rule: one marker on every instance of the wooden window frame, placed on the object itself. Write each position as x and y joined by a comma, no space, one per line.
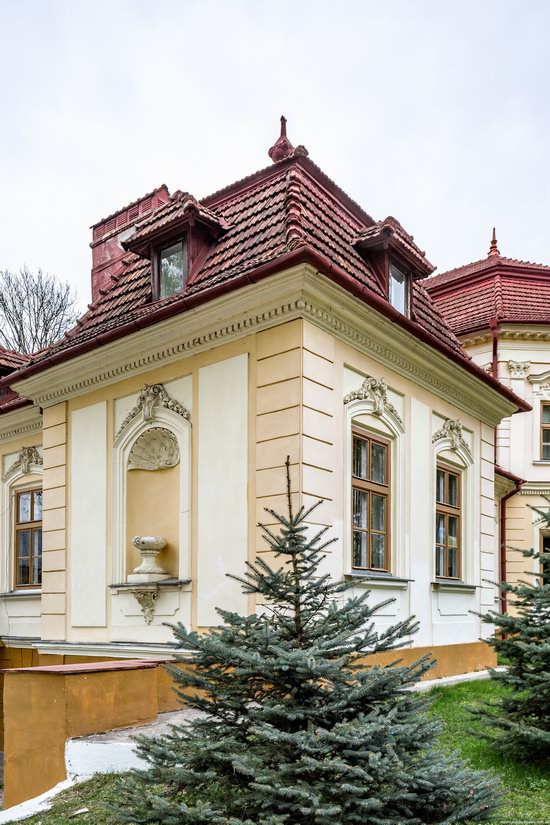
543,427
406,272
447,510
544,573
369,486
156,252
19,527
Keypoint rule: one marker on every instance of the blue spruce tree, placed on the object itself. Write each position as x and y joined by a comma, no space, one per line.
298,728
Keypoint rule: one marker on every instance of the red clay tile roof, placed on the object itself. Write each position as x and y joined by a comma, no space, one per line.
391,229
494,289
287,206
12,360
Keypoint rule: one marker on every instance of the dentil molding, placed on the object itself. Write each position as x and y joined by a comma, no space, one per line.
308,295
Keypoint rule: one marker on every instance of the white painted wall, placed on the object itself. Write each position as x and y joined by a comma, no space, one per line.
88,517
223,485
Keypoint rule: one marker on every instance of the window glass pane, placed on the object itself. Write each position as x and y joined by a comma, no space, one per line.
545,450
37,515
440,529
398,289
440,487
24,507
439,561
378,551
172,270
546,413
378,459
453,531
23,571
360,503
360,549
360,458
453,490
24,543
378,513
452,563
37,556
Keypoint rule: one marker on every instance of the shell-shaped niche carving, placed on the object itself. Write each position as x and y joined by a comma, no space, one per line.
155,449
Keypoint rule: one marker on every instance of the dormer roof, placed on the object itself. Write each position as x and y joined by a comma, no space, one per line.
390,235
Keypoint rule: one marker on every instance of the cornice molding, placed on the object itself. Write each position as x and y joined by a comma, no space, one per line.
252,309
19,423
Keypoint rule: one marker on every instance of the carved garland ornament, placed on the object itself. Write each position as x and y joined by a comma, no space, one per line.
150,396
453,431
27,456
375,390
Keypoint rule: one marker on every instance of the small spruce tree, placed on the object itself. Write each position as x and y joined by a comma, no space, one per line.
297,728
519,722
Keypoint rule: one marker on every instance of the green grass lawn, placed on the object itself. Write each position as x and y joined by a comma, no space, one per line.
526,787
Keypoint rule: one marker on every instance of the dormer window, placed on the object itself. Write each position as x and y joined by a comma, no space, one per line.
172,269
399,290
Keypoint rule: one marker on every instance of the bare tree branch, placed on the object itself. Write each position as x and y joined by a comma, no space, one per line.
35,309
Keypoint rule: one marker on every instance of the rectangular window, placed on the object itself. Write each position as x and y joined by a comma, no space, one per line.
370,502
172,269
545,430
447,523
28,538
399,290
545,564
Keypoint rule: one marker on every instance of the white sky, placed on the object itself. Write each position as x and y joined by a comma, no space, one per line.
436,112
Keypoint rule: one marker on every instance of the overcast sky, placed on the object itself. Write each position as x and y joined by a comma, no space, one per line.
434,111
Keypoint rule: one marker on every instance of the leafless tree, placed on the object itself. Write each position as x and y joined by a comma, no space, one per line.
35,309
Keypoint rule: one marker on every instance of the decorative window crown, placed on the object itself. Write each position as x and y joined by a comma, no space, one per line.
376,391
27,457
451,430
150,396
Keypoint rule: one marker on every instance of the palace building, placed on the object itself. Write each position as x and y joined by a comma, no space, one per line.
273,318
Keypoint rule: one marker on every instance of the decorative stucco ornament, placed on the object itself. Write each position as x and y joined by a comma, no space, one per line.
518,369
375,390
146,599
151,396
148,571
155,449
453,431
26,457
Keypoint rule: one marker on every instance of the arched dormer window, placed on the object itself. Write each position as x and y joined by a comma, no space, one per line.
374,475
453,504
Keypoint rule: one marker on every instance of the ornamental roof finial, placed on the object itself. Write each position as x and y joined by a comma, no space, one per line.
282,148
493,249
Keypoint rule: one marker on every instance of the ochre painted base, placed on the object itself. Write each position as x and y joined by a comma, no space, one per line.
55,698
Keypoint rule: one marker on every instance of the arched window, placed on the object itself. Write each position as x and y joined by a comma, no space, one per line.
374,477
453,504
22,522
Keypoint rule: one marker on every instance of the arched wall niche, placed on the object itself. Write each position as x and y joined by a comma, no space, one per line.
152,501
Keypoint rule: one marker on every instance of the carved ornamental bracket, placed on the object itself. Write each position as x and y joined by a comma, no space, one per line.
146,599
518,369
27,456
376,391
151,396
453,431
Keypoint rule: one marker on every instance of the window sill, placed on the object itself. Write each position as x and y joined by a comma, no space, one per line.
454,586
543,461
380,580
21,594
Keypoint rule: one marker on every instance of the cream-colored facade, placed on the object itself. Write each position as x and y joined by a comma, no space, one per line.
523,365
278,368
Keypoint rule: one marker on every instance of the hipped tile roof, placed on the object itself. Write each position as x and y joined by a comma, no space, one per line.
495,289
12,360
287,206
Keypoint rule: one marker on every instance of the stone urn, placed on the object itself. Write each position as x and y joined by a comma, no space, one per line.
148,571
